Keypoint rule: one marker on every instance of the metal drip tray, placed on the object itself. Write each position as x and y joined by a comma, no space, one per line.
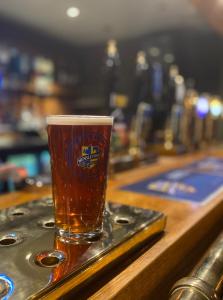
35,262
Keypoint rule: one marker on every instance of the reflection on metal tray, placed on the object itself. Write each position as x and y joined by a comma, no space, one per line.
35,262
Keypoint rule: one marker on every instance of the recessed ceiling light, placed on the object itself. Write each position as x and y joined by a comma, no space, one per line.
73,12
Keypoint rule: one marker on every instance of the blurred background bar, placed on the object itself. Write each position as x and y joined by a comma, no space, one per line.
156,66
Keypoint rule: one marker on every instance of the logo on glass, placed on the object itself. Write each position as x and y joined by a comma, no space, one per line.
89,158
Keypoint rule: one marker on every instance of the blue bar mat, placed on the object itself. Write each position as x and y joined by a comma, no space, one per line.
197,182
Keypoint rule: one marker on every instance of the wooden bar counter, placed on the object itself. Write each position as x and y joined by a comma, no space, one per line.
150,272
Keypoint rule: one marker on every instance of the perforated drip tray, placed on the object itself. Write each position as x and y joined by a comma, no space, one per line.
35,262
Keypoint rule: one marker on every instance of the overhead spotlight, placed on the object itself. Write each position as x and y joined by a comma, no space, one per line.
73,12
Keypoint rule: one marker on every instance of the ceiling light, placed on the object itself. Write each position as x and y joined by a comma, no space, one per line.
73,12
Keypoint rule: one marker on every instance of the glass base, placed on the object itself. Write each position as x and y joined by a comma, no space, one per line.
79,238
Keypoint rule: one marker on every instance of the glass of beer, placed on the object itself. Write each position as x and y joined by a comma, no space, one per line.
79,150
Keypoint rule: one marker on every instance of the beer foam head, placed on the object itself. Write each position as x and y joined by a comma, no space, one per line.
78,120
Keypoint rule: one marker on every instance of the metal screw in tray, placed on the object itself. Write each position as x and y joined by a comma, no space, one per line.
34,260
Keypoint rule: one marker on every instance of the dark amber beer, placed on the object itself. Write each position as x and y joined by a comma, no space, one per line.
79,149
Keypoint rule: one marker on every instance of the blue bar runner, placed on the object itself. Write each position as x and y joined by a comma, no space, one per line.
197,182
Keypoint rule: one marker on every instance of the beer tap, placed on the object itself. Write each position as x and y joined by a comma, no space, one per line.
202,110
178,109
141,126
215,118
141,130
175,129
189,118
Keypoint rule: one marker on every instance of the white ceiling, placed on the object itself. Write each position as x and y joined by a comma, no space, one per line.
102,19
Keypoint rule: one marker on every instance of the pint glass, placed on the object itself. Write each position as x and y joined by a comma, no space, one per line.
79,150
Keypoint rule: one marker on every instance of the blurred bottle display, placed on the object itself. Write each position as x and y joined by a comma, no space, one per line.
32,78
168,112
28,92
43,76
166,109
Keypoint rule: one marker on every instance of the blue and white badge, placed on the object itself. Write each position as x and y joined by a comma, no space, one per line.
89,157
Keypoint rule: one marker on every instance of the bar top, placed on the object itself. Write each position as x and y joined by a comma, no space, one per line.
189,229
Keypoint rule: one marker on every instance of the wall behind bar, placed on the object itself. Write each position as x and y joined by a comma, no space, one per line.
197,53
